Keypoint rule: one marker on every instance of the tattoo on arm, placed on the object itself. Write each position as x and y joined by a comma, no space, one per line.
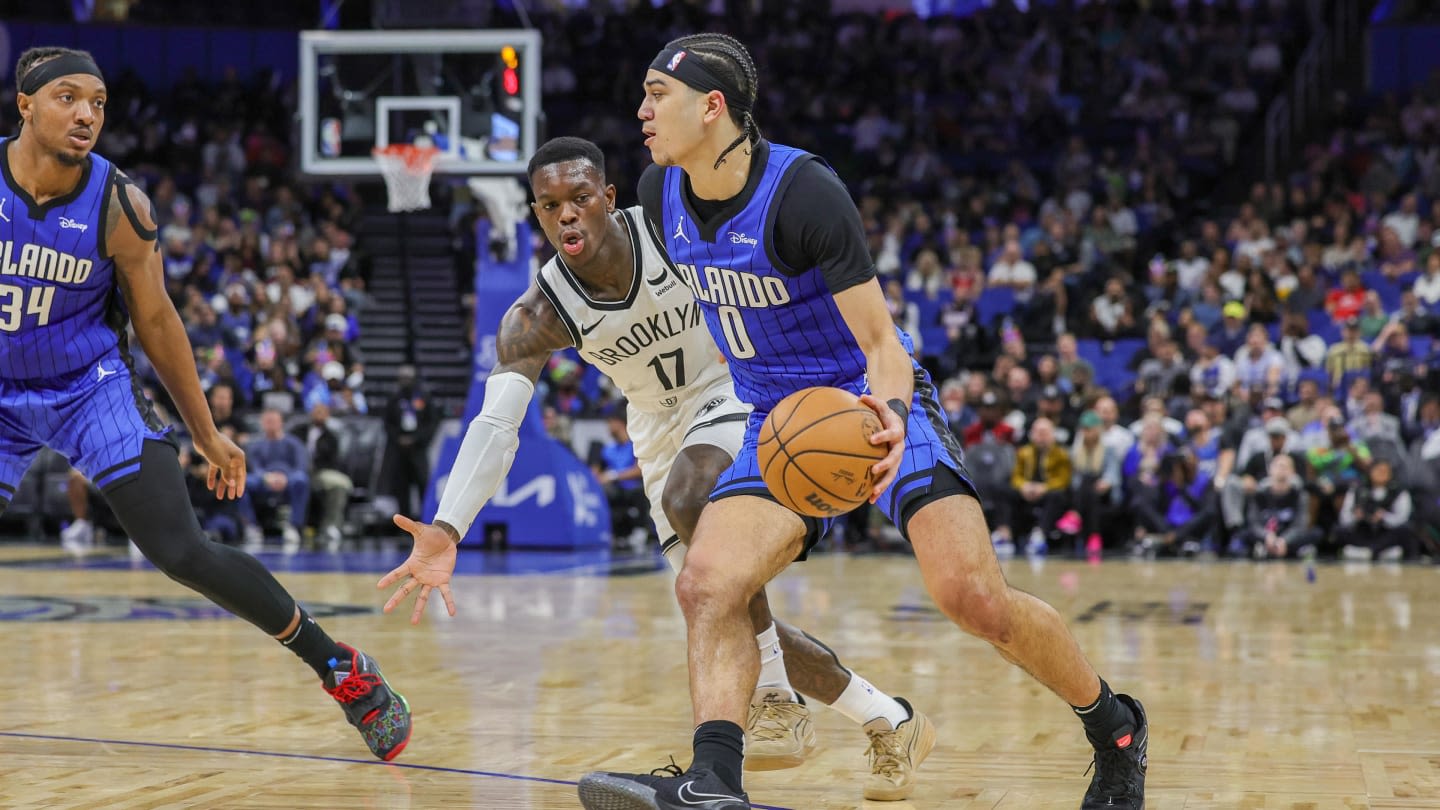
112,212
529,334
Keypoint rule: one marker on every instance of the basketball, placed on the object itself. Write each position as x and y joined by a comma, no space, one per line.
815,452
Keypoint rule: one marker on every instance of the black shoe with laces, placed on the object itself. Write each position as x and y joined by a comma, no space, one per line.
1119,780
381,714
667,788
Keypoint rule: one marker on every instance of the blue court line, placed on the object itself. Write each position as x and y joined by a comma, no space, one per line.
311,757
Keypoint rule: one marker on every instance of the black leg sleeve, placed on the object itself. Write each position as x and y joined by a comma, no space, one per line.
155,511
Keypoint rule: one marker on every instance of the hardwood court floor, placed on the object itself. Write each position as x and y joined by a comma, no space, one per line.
1266,690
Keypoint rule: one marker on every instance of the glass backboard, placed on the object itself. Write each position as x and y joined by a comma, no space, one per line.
475,95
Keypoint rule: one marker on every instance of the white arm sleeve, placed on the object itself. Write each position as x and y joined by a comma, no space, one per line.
487,452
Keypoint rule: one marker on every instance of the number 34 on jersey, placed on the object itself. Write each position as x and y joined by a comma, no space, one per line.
22,302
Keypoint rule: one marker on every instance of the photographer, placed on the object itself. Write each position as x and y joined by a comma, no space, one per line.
1374,519
1278,514
1193,507
1334,469
1180,511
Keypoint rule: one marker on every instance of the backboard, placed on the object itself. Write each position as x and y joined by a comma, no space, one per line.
475,95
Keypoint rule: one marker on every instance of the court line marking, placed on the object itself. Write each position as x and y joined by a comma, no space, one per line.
310,757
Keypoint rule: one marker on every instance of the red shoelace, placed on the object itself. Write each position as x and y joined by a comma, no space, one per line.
355,687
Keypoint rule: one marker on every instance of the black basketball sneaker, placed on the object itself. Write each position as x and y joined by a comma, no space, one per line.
381,714
1119,780
666,788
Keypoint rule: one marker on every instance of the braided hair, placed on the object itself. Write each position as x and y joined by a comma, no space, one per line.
33,57
725,56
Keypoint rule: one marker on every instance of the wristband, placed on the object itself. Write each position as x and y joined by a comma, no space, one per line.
449,530
900,408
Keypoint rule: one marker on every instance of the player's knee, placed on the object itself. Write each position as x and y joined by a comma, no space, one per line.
704,584
682,505
182,557
980,610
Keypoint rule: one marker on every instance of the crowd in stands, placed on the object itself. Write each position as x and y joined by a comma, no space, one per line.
1128,367
1130,361
1266,385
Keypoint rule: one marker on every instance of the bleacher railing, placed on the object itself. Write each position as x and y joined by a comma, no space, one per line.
1296,113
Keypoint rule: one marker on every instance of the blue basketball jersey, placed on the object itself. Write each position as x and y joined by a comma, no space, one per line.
60,309
779,329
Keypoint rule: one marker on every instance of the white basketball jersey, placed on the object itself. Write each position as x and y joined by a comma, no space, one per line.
653,344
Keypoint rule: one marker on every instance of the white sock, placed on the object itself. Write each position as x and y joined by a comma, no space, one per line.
772,662
862,702
674,552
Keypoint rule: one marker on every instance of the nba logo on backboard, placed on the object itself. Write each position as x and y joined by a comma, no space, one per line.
675,60
330,137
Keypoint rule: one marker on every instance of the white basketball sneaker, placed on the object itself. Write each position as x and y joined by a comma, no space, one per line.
895,753
78,538
779,733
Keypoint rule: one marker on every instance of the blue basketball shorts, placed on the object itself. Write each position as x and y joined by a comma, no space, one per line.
96,417
933,466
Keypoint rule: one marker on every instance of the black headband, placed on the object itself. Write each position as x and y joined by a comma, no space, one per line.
679,63
52,69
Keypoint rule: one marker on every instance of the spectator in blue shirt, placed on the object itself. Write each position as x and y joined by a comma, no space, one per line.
279,477
619,471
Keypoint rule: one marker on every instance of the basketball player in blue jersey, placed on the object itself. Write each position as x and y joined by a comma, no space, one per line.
772,247
611,293
78,259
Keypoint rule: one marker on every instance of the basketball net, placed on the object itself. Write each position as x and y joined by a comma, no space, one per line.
407,169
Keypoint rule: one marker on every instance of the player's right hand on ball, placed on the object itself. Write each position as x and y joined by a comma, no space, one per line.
431,562
891,432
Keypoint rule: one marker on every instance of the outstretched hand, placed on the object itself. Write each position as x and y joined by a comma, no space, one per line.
431,563
892,433
226,476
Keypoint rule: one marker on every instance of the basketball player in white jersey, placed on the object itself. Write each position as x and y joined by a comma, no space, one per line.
611,293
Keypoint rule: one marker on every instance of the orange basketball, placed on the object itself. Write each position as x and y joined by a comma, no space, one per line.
815,452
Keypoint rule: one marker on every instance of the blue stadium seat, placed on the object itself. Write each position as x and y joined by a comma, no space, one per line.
933,340
928,310
1319,375
1110,366
1389,293
244,376
1123,350
994,302
1349,379
1420,346
1322,325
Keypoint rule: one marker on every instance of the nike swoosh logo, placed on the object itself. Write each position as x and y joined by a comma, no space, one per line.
658,280
586,330
702,799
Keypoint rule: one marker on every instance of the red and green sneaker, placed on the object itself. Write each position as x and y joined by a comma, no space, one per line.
380,713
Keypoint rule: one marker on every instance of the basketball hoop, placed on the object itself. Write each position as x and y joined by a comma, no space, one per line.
407,169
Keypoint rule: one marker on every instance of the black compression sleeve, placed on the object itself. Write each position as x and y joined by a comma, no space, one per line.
819,226
154,510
